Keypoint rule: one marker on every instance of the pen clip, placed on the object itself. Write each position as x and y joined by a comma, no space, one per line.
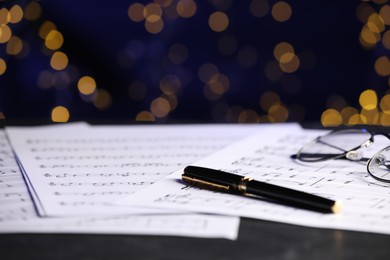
204,184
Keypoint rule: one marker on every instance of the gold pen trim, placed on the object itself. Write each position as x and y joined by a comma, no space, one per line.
242,184
206,184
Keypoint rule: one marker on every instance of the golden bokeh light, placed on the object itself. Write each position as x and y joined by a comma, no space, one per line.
102,100
14,46
145,116
287,57
386,39
172,101
207,71
385,104
281,11
3,66
331,117
382,66
86,85
282,48
219,84
186,8
154,27
384,12
5,33
16,14
59,60
60,114
137,90
170,85
45,28
357,119
371,116
278,113
54,40
160,107
136,12
368,99
259,8
32,11
384,119
248,116
5,16
347,113
289,62
367,38
268,99
218,21
363,11
152,12
375,23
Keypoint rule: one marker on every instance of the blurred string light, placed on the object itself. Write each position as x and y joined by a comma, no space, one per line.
61,74
155,16
159,17
374,35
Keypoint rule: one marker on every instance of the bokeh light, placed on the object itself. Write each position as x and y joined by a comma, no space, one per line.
59,61
368,99
32,11
3,66
86,85
218,21
186,8
54,40
281,11
60,114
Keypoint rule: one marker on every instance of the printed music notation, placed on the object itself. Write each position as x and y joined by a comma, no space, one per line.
17,213
105,160
266,157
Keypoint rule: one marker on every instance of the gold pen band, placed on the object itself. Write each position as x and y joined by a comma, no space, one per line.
242,184
205,184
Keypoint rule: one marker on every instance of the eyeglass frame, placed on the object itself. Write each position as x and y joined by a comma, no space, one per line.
348,155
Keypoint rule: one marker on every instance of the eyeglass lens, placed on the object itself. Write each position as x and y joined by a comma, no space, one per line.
379,165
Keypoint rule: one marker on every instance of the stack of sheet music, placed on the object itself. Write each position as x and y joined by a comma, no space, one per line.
126,180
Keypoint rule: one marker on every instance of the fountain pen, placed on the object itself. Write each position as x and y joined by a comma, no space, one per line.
236,184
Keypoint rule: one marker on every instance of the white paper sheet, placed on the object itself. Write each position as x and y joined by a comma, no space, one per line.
17,214
266,157
78,172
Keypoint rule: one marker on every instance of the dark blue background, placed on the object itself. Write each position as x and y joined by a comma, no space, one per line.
96,32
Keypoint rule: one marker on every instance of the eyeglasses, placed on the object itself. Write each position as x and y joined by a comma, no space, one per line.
346,144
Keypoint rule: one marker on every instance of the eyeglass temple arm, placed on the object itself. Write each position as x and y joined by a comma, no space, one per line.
327,155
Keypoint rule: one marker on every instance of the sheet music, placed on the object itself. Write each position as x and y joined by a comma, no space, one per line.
77,172
266,157
17,213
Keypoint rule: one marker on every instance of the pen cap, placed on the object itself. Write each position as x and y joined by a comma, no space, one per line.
213,176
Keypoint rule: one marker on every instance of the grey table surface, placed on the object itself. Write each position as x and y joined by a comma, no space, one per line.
257,240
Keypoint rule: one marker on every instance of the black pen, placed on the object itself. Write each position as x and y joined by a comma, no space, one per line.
236,184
